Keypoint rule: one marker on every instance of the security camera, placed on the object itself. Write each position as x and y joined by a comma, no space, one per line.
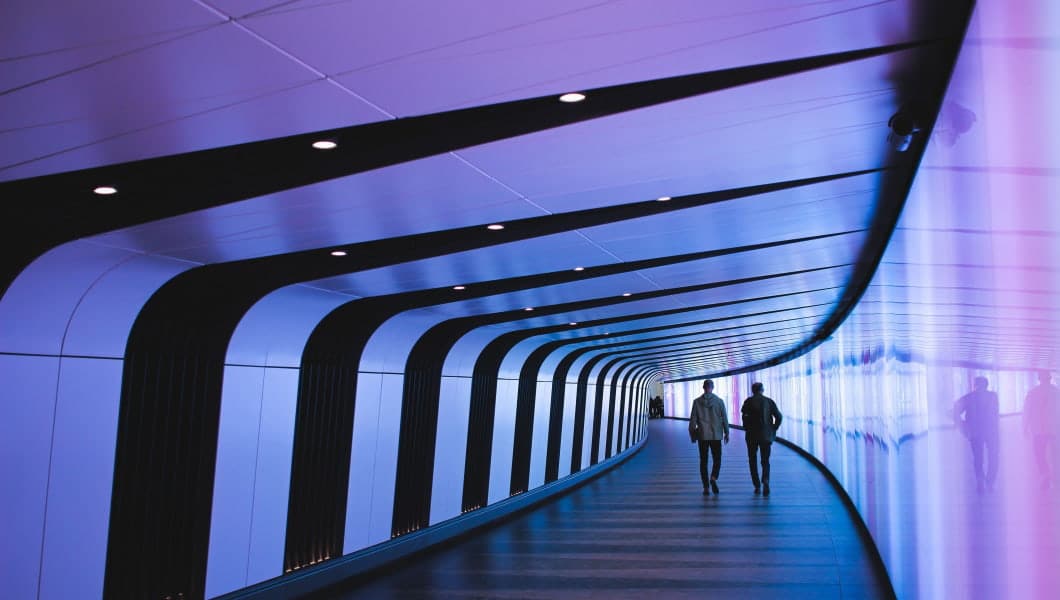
903,127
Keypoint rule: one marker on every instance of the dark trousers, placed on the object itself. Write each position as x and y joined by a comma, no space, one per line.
753,448
984,447
715,451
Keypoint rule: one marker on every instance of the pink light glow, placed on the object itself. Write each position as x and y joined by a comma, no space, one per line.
968,287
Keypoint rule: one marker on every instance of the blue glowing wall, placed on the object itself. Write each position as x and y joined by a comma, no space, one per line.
968,288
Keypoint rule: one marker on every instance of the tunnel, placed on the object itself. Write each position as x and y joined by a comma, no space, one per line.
296,291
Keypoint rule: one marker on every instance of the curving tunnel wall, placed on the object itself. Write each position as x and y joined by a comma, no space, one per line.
967,288
201,393
396,458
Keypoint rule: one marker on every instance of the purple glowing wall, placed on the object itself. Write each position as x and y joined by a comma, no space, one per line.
967,288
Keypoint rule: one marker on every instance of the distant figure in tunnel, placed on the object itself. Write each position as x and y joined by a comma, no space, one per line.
708,425
761,419
976,414
1040,415
656,407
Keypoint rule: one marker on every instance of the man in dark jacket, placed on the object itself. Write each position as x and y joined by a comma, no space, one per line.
976,413
761,418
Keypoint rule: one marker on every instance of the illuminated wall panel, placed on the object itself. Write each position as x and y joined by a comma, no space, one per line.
450,448
272,481
503,440
539,445
25,448
79,475
79,489
362,461
385,459
233,493
252,481
587,435
611,416
567,441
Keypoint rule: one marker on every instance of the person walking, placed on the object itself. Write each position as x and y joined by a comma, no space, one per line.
761,419
976,414
708,425
1041,416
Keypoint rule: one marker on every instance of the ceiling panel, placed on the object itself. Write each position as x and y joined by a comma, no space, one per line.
609,43
97,115
77,141
424,195
47,39
833,121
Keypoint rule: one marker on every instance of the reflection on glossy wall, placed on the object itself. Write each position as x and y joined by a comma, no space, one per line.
969,288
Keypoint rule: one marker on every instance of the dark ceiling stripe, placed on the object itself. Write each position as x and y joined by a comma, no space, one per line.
613,320
698,347
635,345
629,332
231,288
706,353
464,324
631,350
684,356
340,336
379,308
44,212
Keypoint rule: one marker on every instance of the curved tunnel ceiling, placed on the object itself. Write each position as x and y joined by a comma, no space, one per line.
725,191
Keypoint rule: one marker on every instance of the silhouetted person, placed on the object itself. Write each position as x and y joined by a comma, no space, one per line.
761,419
976,413
708,425
656,407
1040,410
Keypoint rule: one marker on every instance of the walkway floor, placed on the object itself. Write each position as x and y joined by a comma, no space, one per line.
644,530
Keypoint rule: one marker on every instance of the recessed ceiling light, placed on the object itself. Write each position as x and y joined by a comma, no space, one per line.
579,268
572,97
663,199
495,227
627,294
325,144
459,287
338,253
105,190
529,308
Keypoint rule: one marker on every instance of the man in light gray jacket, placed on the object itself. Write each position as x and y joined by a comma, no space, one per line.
708,425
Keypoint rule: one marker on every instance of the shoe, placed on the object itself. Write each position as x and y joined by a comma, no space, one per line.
714,486
980,486
706,491
765,489
758,490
